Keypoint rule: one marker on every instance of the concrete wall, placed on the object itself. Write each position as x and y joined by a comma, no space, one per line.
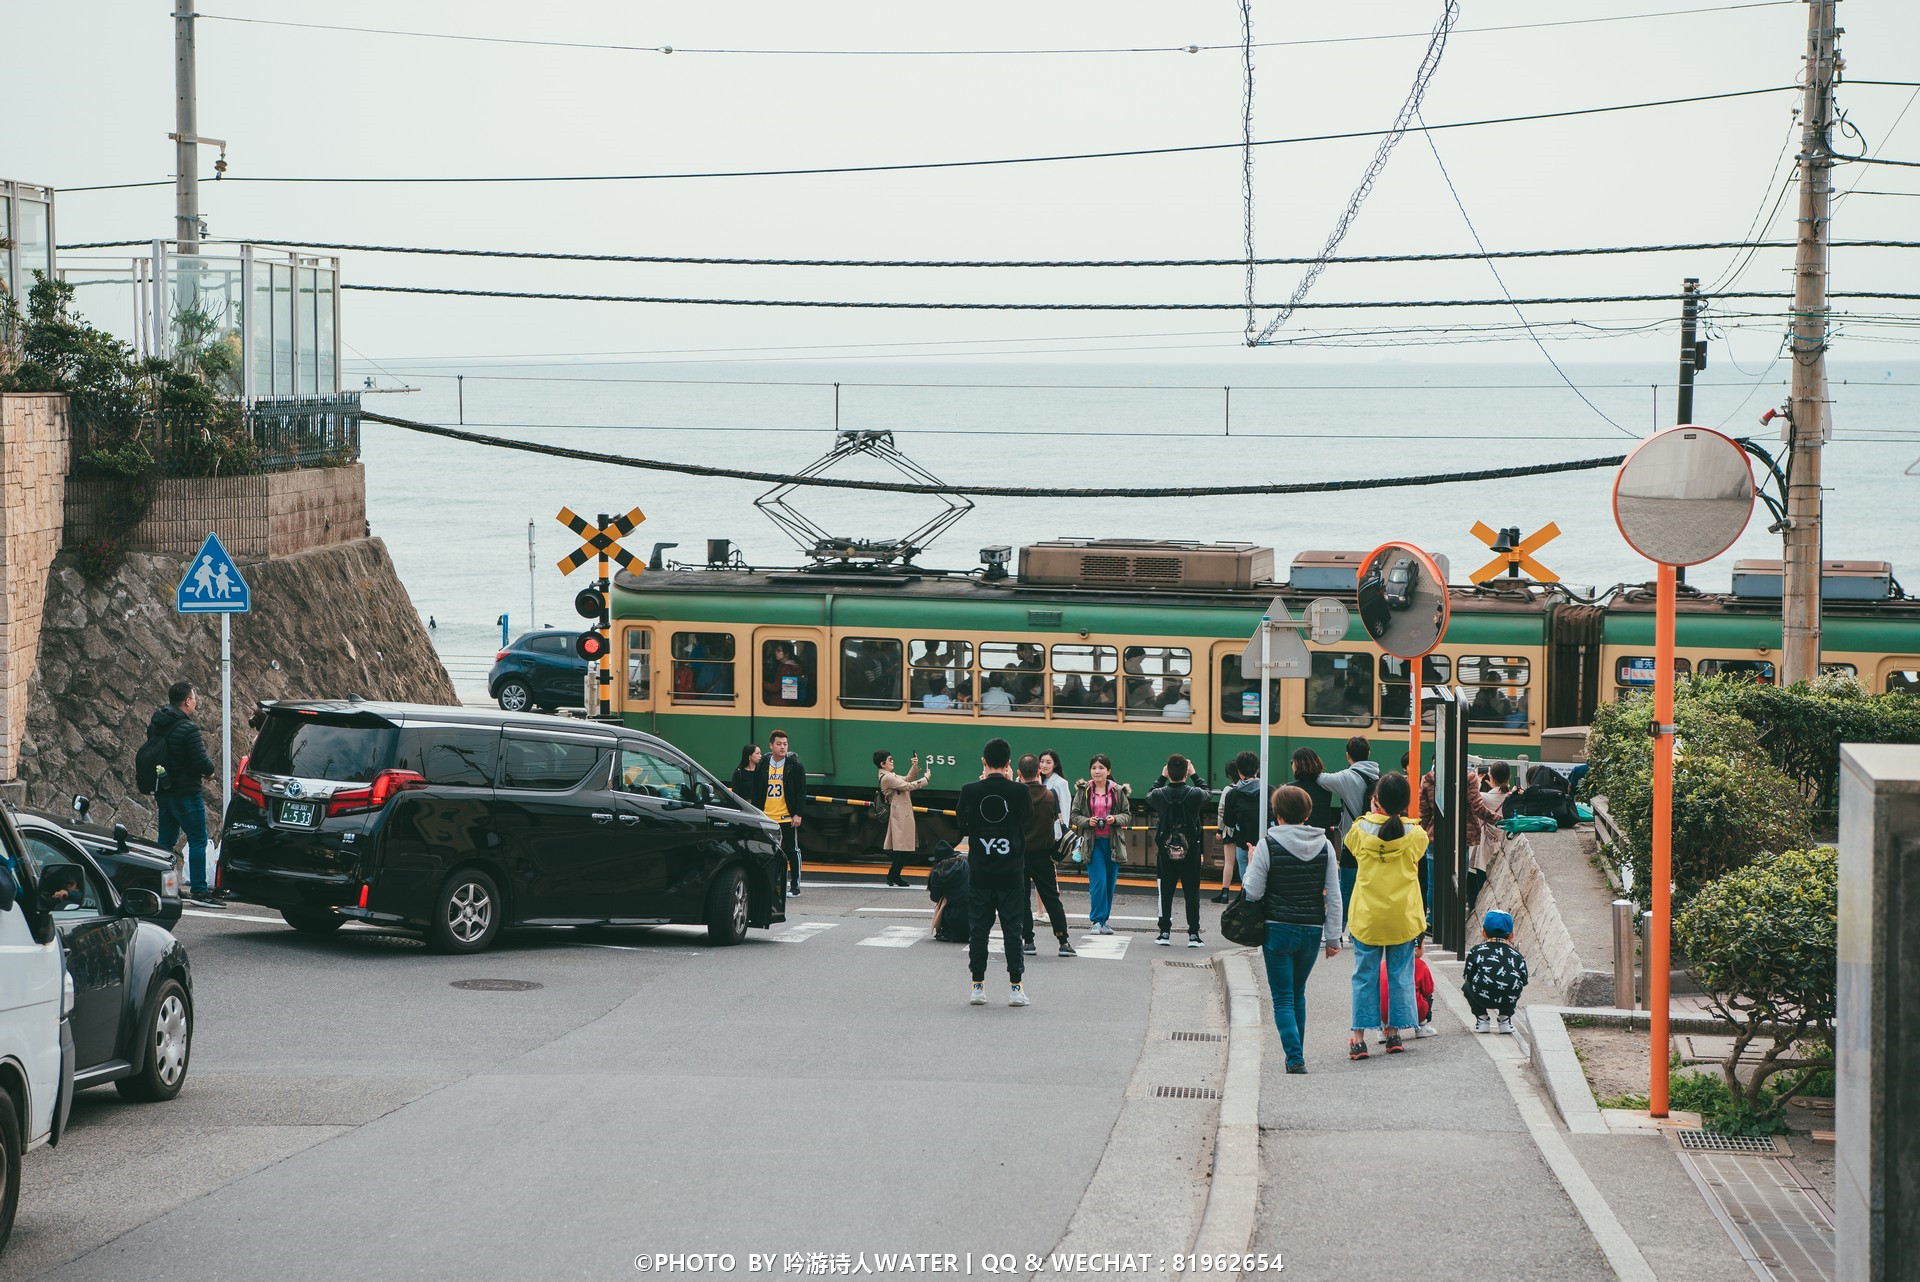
34,437
276,514
1560,925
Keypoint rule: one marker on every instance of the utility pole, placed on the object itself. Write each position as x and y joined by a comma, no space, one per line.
1807,403
186,182
1693,351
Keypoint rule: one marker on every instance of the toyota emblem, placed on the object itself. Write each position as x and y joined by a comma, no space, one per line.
294,789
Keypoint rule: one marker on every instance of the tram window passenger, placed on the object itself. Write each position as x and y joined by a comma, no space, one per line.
1756,670
703,667
870,673
1082,681
1240,698
1340,689
1396,696
787,674
995,699
1903,680
639,664
1499,699
941,676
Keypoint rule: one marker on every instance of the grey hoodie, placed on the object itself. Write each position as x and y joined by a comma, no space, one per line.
1303,842
1351,786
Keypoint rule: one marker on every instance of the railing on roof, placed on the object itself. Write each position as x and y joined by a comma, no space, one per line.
272,436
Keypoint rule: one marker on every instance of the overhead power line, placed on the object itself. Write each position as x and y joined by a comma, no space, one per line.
957,53
987,491
536,255
954,164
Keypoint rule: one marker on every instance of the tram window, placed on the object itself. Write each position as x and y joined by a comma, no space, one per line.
1839,670
788,673
1435,669
1903,681
639,664
1013,678
1083,681
1500,703
1636,671
870,673
703,667
1755,670
942,678
1158,682
1240,698
1340,689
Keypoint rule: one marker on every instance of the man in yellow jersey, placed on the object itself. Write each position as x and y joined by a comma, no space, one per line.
780,785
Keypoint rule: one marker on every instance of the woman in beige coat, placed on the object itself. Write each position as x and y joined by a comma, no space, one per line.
896,794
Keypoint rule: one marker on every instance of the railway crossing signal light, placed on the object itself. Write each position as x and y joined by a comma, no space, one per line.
590,603
601,542
591,646
1515,553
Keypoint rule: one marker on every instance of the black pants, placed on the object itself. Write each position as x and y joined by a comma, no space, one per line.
1476,879
1179,872
1481,1007
1003,899
790,844
1040,876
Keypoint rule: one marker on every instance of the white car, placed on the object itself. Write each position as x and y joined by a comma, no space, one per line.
36,1043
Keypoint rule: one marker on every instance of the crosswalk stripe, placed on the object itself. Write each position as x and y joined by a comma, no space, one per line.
1103,947
896,937
803,931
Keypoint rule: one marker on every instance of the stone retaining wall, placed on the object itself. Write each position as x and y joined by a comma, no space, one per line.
272,514
34,435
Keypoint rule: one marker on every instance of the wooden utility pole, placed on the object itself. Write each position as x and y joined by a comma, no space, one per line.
186,137
1807,405
1693,351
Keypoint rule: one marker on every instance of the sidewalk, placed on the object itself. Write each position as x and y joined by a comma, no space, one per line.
1424,1164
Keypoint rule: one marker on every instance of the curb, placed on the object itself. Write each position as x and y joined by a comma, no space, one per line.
1233,1191
1551,1051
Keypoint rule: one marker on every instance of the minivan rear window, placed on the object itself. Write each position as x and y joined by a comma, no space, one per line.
349,748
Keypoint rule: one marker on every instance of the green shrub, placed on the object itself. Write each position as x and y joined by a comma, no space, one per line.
1763,942
1730,803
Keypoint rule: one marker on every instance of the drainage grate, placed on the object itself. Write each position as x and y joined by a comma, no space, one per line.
1780,1225
1708,1142
497,985
1190,965
1185,1092
1197,1037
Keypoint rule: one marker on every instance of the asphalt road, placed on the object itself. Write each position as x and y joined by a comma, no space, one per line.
349,1113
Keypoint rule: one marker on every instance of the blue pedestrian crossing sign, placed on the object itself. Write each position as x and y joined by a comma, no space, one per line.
213,583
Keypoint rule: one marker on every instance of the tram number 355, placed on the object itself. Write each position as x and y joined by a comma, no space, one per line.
940,759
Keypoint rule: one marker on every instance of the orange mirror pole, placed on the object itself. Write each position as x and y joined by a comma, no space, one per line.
1659,929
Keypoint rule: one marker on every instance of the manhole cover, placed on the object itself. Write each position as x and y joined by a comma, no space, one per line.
1708,1141
1197,1037
496,985
1185,1092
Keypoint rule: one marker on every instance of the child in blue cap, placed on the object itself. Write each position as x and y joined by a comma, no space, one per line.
1496,973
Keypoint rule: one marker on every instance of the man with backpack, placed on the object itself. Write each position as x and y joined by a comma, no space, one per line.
170,765
1179,809
992,815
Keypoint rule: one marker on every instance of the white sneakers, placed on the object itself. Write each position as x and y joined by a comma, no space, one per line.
1506,1025
1480,1025
979,998
1427,1030
1017,996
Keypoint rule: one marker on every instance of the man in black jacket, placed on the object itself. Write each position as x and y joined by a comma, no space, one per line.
1179,826
993,814
1040,846
182,806
779,789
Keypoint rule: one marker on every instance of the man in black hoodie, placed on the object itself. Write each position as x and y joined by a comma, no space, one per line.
993,813
184,763
1180,810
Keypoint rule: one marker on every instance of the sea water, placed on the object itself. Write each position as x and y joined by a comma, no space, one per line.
456,516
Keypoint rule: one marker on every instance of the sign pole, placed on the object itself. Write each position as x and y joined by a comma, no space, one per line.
606,656
226,713
1660,925
1266,662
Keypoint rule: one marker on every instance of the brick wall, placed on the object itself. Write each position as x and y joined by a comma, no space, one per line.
276,514
34,436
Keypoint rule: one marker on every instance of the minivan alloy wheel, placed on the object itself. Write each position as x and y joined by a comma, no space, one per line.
739,908
469,912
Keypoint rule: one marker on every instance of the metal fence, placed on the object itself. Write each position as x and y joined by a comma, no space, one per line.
271,436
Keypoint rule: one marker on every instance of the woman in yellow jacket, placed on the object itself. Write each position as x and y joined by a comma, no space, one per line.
1386,918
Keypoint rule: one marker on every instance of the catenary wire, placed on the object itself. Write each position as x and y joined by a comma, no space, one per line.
962,53
988,491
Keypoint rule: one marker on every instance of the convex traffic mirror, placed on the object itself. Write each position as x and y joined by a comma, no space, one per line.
1403,600
1683,496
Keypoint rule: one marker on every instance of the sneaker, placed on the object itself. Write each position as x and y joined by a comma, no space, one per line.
793,892
1162,940
1221,898
205,899
1103,929
1193,939
1483,1025
1426,1030
1356,1048
1393,1043
1506,1025
1028,948
1066,949
1296,1068
979,997
1017,996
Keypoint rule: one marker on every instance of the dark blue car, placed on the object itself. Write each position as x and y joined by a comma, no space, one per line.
539,670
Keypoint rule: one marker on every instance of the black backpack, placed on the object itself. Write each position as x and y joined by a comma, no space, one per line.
1175,841
150,763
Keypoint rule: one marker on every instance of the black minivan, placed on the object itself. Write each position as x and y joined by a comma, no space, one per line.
456,822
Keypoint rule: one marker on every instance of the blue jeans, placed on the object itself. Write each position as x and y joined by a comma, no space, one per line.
1366,985
1347,876
186,812
1240,862
1103,874
1290,952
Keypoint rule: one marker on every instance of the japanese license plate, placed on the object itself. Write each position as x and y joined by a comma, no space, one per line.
299,814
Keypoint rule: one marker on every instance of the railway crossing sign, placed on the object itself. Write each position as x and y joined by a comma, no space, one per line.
1515,553
602,541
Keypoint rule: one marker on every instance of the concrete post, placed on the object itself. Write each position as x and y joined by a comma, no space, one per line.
1623,954
1877,1103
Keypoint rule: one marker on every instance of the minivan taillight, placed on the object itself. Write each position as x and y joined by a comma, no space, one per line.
385,786
245,785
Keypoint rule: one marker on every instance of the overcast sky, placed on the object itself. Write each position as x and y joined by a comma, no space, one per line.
88,94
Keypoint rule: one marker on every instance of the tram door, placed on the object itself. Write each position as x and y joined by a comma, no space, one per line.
788,670
1233,710
634,692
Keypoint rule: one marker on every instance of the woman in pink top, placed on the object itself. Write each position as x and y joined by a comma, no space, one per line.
1102,809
